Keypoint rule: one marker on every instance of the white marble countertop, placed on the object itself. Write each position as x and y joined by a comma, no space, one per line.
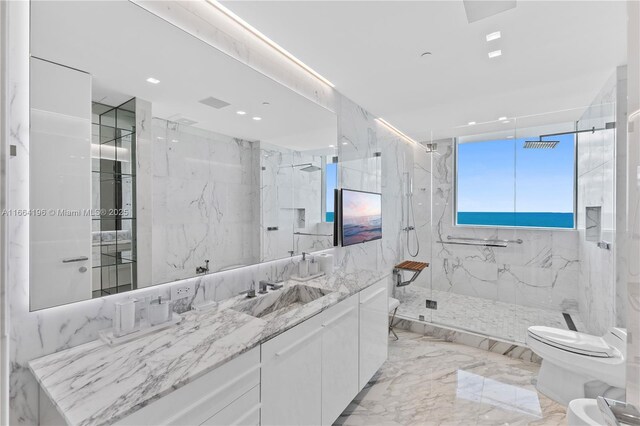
94,384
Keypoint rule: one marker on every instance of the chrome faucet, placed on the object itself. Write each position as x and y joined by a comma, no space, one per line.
264,284
250,292
203,269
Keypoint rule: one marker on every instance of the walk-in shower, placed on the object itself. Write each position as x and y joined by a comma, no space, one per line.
496,279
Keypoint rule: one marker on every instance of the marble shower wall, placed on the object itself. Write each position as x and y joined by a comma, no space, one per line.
205,201
374,159
596,188
35,334
540,272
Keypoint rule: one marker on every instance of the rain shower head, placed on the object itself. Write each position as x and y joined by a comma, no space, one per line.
540,144
308,167
311,168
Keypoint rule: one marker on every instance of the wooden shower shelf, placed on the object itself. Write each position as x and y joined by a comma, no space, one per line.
409,265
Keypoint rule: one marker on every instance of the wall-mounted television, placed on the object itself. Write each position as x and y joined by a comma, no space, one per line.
360,216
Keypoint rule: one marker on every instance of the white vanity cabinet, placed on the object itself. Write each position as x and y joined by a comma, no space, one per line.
292,376
339,358
374,330
310,373
230,394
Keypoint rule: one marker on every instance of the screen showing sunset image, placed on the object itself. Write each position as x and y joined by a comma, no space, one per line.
361,217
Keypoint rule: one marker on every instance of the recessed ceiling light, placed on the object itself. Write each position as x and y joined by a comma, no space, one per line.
160,137
257,118
153,80
174,140
345,143
495,53
331,146
494,36
240,112
471,123
502,118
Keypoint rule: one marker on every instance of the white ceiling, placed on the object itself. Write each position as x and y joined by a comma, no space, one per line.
121,45
557,55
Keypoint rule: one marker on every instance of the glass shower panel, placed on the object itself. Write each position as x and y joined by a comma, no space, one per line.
544,269
414,191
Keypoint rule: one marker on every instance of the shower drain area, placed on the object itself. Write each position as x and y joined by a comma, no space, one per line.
505,321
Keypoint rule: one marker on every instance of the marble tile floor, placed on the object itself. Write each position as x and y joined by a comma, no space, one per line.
506,321
427,381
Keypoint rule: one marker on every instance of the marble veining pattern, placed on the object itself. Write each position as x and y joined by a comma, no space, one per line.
542,272
507,321
596,188
428,381
94,384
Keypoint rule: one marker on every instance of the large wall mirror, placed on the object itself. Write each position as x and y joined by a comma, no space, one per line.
155,157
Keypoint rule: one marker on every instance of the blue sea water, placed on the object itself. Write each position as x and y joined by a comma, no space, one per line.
539,220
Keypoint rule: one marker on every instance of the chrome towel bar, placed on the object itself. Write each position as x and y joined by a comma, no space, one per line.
471,243
485,240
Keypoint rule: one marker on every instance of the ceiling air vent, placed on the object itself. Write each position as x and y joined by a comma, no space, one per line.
214,103
481,9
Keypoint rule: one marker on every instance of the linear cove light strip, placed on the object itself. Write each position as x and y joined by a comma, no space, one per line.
396,130
267,40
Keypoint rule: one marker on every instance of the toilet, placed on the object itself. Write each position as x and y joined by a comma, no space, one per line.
578,365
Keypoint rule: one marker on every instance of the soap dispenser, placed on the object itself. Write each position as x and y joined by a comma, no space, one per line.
313,266
159,311
125,317
303,266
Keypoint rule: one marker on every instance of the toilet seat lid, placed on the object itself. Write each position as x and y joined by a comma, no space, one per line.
573,341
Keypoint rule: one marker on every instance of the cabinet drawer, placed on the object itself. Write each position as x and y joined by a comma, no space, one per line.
198,401
291,376
243,411
339,358
374,329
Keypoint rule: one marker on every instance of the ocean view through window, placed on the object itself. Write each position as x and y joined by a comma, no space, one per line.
510,183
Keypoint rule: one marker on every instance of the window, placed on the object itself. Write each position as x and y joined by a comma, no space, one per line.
504,183
330,184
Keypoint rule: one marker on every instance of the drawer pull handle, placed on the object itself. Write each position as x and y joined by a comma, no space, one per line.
328,323
362,302
75,259
176,419
242,420
298,342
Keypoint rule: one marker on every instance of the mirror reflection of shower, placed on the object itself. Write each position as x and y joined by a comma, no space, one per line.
307,167
410,224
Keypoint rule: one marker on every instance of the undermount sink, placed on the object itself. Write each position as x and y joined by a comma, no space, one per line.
280,301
